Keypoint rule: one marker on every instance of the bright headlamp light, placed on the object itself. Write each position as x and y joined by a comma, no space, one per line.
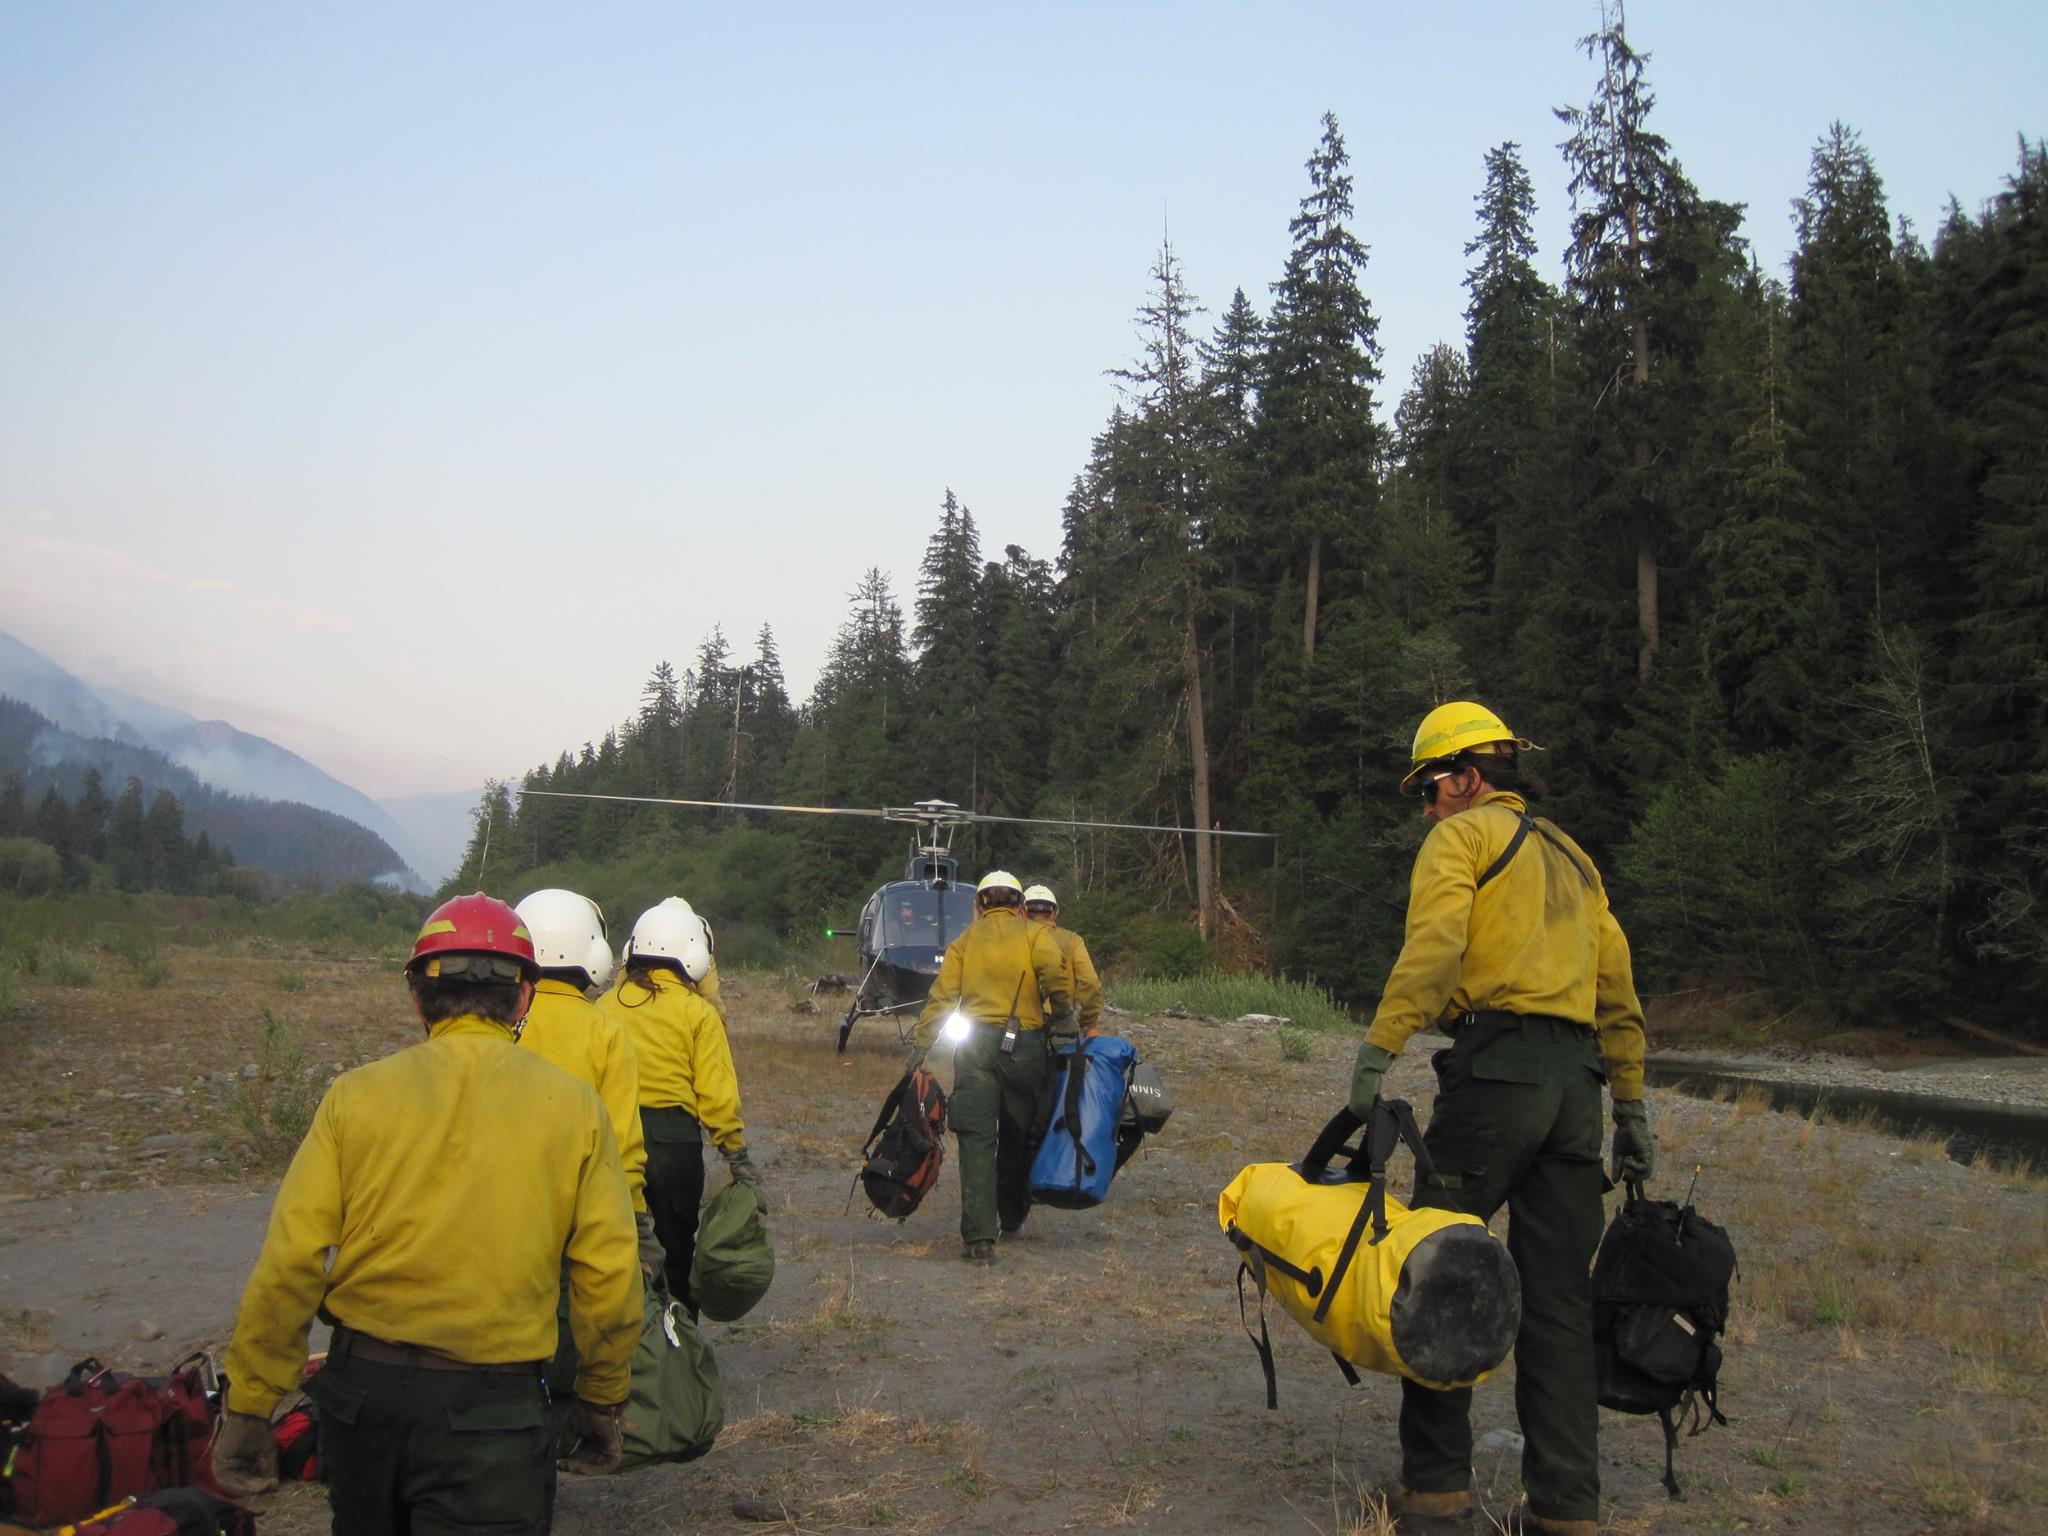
957,1027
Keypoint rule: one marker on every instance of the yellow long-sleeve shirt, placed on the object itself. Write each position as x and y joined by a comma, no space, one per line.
565,1027
685,1061
451,1180
1000,961
1087,986
1536,938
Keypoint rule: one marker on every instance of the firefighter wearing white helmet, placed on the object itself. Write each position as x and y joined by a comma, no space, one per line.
997,986
1043,908
688,1088
564,1027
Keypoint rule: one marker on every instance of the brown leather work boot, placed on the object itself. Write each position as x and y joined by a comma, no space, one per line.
1527,1520
1427,1513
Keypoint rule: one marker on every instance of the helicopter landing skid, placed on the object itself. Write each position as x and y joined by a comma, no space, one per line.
855,1011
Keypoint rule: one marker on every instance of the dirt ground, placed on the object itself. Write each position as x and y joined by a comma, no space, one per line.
1888,1358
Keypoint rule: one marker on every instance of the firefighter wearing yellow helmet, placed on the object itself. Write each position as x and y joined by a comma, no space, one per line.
997,986
1511,949
1043,908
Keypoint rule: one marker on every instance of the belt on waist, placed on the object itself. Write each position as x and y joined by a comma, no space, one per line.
1457,1023
349,1344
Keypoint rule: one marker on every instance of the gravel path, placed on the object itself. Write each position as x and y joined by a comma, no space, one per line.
2013,1081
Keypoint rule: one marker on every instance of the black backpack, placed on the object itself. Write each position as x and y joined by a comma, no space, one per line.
901,1159
1660,1304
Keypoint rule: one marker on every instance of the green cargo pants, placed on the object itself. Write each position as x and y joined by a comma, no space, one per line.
412,1452
1518,1121
995,1100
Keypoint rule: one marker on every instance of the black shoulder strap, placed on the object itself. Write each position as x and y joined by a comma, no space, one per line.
1528,824
888,1112
1507,854
1558,843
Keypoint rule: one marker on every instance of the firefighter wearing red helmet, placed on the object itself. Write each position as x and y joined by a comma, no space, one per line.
450,1180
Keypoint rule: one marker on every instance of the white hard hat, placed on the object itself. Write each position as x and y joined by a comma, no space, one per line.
998,880
601,965
1041,893
566,927
672,931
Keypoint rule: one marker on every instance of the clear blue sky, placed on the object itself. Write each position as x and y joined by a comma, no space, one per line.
361,361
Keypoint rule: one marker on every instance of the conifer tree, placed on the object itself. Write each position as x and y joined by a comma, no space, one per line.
951,678
127,838
1170,476
89,815
1322,362
13,809
1508,439
1624,187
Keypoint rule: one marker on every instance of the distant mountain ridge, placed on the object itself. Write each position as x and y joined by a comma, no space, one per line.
211,752
290,840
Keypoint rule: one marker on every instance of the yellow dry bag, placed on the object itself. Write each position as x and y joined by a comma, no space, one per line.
1426,1294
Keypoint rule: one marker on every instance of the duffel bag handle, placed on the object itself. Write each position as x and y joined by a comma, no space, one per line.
1330,1141
1393,1124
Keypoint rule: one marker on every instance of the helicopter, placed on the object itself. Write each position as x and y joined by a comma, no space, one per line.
905,926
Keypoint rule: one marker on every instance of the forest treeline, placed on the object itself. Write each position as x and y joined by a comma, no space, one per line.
1760,558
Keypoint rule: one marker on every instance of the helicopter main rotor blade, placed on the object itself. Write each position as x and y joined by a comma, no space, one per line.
1107,826
951,816
709,805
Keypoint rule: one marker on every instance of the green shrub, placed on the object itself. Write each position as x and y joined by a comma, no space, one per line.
1296,1044
1229,995
274,1106
68,968
289,980
29,867
10,1003
140,948
1175,952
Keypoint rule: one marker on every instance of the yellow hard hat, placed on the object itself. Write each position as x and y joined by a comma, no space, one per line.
1460,726
998,880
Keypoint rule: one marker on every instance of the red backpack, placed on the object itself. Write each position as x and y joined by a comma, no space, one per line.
103,1435
905,1151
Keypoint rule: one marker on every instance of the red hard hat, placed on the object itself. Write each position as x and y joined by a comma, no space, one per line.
475,925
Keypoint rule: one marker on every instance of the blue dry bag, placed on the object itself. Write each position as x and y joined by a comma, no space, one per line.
1085,1100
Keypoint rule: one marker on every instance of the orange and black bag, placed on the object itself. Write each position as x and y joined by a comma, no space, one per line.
901,1159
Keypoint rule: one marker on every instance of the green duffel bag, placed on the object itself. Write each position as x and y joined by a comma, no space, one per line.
735,1263
675,1406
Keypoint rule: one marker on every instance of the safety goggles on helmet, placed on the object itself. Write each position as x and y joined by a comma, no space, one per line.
481,968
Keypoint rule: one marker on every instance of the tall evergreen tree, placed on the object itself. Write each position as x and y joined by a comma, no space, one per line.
1173,504
951,676
1624,188
1508,439
1322,362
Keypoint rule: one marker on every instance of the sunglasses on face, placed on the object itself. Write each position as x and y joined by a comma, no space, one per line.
1431,784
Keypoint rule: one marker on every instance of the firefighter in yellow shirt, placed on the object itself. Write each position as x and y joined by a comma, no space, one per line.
1511,947
451,1181
1043,908
564,1027
688,1088
999,982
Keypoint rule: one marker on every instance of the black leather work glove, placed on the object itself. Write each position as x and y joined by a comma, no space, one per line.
653,1257
595,1437
244,1454
1635,1149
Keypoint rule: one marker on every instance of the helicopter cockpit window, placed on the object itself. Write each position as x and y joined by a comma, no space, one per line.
911,919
